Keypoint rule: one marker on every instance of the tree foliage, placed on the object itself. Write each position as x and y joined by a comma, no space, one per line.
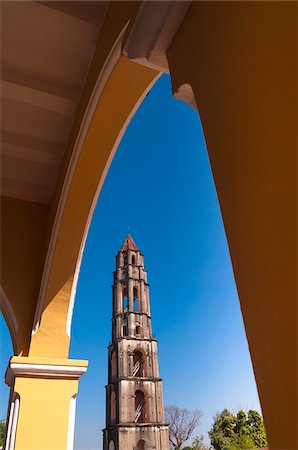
182,423
2,432
197,444
238,432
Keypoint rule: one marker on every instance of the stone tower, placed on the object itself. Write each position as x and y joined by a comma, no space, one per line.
134,400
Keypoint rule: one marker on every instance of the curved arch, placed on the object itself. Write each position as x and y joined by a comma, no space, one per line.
139,356
141,405
124,299
111,445
79,141
114,364
252,272
144,444
113,406
136,299
87,176
10,318
141,445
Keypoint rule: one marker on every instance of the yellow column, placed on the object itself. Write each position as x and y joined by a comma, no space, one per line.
42,407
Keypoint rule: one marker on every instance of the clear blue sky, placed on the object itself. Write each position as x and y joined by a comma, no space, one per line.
160,188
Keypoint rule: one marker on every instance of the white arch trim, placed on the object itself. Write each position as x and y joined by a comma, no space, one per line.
9,316
117,142
64,196
107,69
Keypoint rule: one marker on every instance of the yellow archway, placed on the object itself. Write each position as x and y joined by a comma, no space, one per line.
236,62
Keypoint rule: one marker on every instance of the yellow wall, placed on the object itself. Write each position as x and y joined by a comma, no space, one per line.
243,77
43,414
44,406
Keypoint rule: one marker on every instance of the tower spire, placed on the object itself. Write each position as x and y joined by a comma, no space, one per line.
134,402
129,244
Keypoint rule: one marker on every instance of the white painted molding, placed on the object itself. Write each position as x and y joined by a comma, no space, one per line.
107,166
74,289
10,318
42,371
71,422
12,424
104,75
152,32
8,312
8,433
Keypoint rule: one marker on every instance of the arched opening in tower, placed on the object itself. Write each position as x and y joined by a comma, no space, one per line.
140,406
141,445
113,407
176,249
125,260
125,299
144,444
138,364
114,365
135,300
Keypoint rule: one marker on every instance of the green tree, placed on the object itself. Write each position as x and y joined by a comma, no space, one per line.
238,432
258,432
2,432
198,443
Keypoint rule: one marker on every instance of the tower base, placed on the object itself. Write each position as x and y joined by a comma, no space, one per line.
136,436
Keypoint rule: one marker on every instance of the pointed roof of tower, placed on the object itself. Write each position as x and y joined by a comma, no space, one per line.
129,244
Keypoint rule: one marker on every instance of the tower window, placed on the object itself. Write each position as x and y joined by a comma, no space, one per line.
125,260
114,365
138,329
135,305
141,445
113,407
138,364
125,300
124,330
135,300
133,259
140,406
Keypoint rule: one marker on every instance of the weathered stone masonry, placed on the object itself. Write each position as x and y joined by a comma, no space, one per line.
134,399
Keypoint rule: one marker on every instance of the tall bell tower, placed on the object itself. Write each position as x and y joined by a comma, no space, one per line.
134,400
